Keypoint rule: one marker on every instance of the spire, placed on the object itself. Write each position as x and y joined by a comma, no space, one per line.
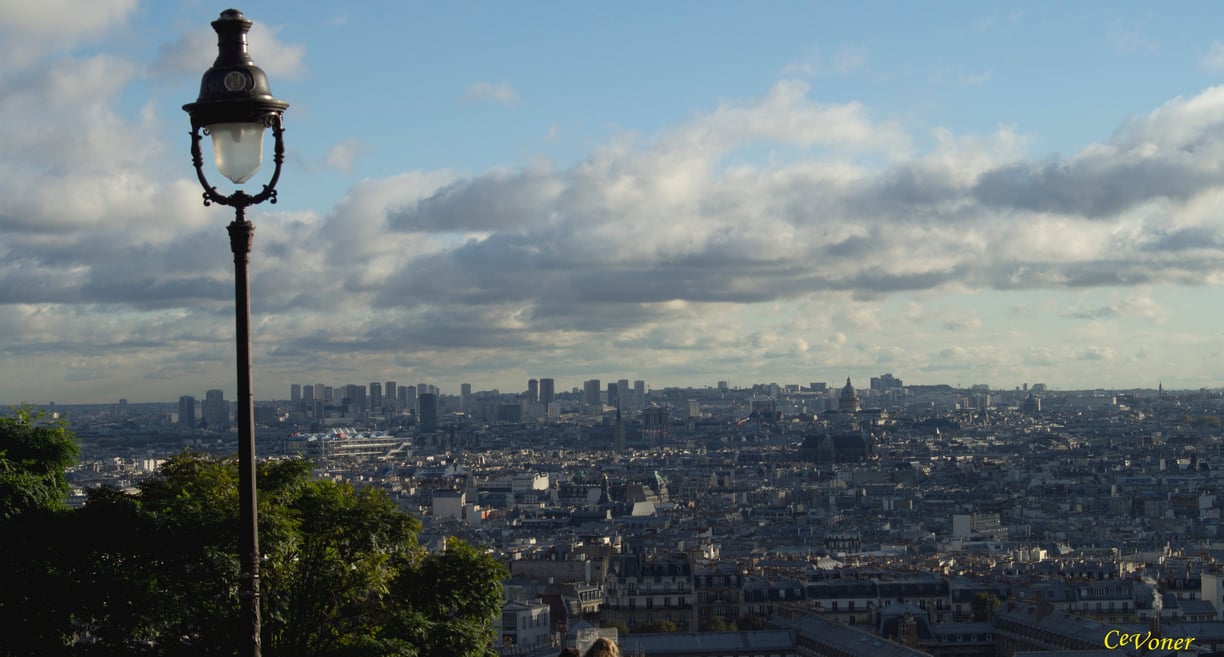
618,437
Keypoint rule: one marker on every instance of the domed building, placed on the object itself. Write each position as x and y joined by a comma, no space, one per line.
848,402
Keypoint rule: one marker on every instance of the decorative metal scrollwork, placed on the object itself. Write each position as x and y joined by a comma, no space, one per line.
240,200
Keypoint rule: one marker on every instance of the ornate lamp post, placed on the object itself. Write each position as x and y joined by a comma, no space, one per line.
234,107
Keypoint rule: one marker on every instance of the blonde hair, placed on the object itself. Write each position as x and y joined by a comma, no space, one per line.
603,647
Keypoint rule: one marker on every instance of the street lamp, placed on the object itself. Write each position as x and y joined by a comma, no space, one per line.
235,107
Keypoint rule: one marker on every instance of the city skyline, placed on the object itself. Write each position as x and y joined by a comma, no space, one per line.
546,389
969,193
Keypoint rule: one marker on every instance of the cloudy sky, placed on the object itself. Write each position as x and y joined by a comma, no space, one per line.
682,192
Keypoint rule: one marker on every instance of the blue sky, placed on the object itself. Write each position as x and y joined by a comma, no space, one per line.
682,192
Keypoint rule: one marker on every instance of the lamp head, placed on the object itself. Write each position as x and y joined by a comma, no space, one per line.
235,102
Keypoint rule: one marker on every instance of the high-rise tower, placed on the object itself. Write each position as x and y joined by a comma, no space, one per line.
390,396
548,391
216,410
187,411
428,412
590,396
376,400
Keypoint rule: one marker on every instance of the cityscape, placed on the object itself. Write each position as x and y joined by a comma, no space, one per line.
784,519
676,329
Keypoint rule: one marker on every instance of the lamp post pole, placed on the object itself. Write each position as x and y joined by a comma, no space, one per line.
241,233
235,106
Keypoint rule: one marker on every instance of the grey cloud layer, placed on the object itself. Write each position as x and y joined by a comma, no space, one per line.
670,221
619,249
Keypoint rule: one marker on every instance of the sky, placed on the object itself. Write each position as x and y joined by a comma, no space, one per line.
681,192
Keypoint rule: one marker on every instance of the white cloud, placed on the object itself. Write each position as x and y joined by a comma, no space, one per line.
52,18
195,51
497,92
1096,353
30,30
342,156
1136,305
960,76
962,322
659,250
1213,61
1129,38
844,61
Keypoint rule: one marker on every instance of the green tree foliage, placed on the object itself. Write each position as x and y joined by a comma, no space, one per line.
449,602
34,454
752,623
983,605
657,627
715,624
342,574
621,628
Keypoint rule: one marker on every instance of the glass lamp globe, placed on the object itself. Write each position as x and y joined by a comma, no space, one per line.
237,149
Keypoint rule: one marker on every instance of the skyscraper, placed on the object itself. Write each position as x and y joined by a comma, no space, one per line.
428,412
187,411
376,401
613,395
391,395
216,410
295,394
639,394
533,390
590,393
353,398
548,391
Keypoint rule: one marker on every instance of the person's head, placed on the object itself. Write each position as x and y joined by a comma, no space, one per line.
602,648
